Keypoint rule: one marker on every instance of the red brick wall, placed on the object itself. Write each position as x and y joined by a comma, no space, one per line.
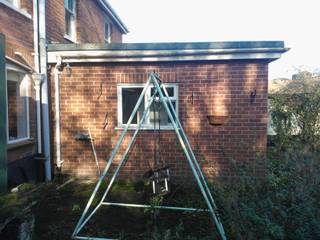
219,89
90,22
18,30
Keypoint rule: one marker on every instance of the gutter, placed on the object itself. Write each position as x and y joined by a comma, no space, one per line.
125,55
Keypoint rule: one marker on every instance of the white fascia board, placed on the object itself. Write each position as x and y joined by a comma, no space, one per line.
164,55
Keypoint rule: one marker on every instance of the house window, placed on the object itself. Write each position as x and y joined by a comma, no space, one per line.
18,106
128,96
15,3
107,31
70,19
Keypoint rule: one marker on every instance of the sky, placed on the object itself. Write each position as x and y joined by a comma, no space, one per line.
295,22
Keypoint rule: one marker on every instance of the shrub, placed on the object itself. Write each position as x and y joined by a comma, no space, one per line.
285,204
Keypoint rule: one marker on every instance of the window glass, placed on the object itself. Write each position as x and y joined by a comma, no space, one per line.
17,94
157,112
130,97
170,91
107,31
70,5
70,23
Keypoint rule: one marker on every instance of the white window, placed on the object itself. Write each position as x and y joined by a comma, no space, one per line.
107,31
15,3
18,105
70,19
127,98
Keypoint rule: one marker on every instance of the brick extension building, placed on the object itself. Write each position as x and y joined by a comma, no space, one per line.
27,26
226,80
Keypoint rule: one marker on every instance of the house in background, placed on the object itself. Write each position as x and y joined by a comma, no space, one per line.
27,26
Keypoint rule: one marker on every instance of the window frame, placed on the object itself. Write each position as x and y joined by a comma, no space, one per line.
147,125
13,68
16,6
73,12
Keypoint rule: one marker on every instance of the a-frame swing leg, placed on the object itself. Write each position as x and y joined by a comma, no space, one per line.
180,128
120,165
195,170
85,217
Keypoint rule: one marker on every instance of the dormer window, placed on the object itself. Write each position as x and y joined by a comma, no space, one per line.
107,31
70,19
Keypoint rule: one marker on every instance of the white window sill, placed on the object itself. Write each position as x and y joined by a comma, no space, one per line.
69,38
162,128
16,9
20,143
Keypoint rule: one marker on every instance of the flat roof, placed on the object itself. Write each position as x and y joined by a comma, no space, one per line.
167,51
167,46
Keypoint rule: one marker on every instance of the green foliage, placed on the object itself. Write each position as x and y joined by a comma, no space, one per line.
285,203
295,111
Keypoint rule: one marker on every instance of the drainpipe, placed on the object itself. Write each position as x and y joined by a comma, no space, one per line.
44,88
36,36
37,77
37,80
57,71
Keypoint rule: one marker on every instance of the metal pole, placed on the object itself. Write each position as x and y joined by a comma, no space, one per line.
156,207
189,146
193,158
122,161
93,238
113,154
94,151
204,192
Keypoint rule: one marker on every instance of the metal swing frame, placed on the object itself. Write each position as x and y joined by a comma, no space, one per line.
196,170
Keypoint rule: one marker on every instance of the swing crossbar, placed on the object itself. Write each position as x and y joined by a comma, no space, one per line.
156,207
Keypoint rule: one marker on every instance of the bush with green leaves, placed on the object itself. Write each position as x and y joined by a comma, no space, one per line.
295,110
285,203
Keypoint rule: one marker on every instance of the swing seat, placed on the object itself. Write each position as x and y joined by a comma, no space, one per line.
160,173
160,178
